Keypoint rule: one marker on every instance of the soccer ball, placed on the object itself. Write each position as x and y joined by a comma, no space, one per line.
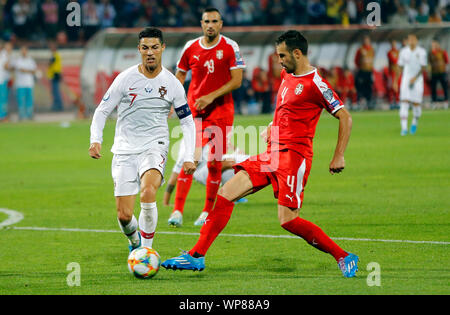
144,262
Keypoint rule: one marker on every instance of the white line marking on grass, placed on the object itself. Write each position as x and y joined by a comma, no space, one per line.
13,217
229,235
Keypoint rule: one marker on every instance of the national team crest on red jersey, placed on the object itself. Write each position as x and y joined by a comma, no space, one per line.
299,89
219,54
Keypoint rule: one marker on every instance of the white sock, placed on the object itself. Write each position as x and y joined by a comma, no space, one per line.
148,218
417,112
130,231
404,109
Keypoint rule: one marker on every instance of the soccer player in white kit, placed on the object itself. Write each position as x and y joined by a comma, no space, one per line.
413,61
143,95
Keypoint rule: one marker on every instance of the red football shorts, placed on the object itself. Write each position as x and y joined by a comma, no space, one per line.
286,170
213,132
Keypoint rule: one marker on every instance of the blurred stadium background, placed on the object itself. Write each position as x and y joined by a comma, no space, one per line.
104,44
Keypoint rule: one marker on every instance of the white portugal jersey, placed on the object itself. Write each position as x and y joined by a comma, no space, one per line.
143,105
412,62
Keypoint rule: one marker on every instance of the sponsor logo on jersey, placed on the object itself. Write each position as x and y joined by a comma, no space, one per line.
219,54
106,96
148,90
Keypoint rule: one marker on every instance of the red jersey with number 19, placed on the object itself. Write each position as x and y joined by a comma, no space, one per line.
300,102
210,68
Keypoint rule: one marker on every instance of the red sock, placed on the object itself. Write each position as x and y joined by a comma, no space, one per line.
215,223
314,235
184,183
212,184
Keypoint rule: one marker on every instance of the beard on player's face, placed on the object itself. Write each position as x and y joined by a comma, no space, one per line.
289,64
150,63
211,34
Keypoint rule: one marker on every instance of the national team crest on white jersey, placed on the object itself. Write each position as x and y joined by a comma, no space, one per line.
219,54
162,91
299,89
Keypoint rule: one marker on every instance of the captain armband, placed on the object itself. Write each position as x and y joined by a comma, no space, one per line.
183,111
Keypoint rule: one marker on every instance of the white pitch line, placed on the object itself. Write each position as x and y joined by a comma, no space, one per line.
13,217
228,235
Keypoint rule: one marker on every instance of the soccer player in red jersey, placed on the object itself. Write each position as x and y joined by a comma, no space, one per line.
393,74
286,164
217,69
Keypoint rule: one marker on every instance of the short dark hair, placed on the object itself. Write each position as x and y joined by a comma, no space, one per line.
211,9
151,32
294,40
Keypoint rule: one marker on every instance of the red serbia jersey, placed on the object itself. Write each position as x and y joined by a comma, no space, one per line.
300,102
211,68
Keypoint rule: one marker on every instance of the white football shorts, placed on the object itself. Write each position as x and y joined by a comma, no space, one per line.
412,93
127,170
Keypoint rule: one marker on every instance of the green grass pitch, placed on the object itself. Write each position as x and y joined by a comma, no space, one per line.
394,189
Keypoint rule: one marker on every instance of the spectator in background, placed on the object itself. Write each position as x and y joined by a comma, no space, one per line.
400,17
50,14
364,60
422,16
22,14
276,13
435,17
316,12
54,74
5,56
90,19
106,13
393,75
445,13
412,11
352,11
261,87
438,59
232,12
247,9
24,71
333,11
274,75
174,18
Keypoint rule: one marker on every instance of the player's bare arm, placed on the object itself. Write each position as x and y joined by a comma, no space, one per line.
234,83
94,150
345,127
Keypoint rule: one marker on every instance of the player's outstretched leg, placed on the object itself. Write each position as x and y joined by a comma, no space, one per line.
317,238
216,221
349,265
